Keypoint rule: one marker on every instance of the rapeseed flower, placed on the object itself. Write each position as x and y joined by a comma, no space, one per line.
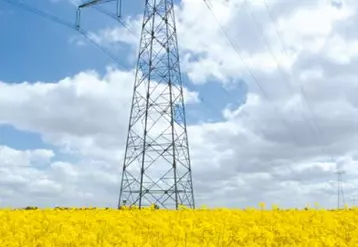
191,228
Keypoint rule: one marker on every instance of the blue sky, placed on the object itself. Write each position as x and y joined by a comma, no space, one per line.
43,52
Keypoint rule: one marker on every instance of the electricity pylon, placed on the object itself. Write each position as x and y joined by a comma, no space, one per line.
156,168
340,188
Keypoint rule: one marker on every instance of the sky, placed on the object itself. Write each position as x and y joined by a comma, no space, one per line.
270,96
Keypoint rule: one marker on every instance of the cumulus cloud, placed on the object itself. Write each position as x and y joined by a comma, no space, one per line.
85,114
55,183
297,125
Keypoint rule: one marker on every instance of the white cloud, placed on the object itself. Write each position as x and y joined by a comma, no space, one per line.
44,187
74,112
54,183
14,158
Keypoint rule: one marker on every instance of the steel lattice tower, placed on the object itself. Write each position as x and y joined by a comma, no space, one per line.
340,193
156,168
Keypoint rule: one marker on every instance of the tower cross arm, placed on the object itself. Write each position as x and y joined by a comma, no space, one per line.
94,2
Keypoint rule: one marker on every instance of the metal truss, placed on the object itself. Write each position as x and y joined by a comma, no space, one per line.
156,168
94,3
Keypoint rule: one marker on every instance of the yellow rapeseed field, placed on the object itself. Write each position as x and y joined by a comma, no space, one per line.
161,228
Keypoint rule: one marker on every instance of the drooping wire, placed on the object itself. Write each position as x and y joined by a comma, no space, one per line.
67,24
90,3
86,35
30,8
284,46
115,17
280,69
301,88
237,49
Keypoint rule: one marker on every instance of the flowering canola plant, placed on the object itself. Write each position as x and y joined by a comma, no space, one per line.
189,228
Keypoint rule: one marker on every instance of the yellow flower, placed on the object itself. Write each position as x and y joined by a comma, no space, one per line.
182,207
274,207
191,228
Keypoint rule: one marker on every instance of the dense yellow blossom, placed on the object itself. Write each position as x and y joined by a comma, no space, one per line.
161,228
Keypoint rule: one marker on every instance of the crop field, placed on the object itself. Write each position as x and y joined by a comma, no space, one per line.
160,228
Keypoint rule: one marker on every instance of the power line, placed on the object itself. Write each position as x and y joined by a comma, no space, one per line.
304,97
66,24
36,11
340,193
283,44
94,2
274,21
237,50
112,15
86,35
115,17
280,69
